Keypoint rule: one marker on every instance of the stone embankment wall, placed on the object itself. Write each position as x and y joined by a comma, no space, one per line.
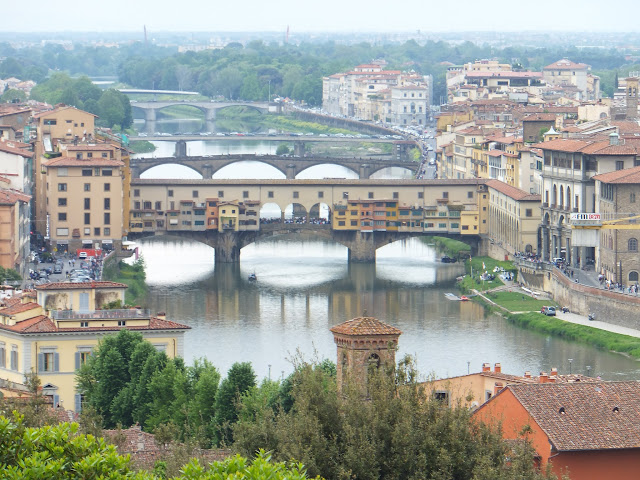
608,306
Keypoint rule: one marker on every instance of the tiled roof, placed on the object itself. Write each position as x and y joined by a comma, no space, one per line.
540,117
82,162
154,324
513,192
602,147
11,197
18,308
365,326
38,324
505,74
59,109
11,147
565,64
79,286
585,416
628,175
82,148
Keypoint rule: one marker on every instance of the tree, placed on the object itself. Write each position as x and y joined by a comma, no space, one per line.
282,149
114,108
13,95
240,379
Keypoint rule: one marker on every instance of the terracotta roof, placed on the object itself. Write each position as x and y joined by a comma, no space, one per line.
38,324
82,162
596,416
365,326
81,148
77,286
154,324
59,109
602,147
628,175
503,74
565,64
626,126
11,197
18,308
11,147
513,192
540,117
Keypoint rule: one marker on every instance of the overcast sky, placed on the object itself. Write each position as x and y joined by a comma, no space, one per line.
318,15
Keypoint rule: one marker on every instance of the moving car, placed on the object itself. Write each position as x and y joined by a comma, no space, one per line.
549,311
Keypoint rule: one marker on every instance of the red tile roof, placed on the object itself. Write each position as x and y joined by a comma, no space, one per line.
11,197
59,109
82,162
540,117
154,324
11,147
38,324
513,192
81,148
628,175
566,64
77,286
18,308
584,416
365,326
602,147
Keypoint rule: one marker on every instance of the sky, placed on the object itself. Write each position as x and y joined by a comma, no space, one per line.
319,15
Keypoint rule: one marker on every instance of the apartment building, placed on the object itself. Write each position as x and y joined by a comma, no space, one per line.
14,230
54,332
575,78
84,198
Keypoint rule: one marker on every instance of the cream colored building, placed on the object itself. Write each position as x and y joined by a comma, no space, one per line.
514,217
565,73
14,230
53,335
85,197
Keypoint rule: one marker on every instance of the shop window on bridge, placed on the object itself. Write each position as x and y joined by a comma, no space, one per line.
320,194
158,205
269,194
194,193
345,195
445,194
148,224
455,225
354,223
465,227
147,205
199,222
341,224
198,212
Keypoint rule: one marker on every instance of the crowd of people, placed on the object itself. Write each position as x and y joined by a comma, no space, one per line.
296,220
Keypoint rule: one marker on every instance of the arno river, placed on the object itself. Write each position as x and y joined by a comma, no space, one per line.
305,286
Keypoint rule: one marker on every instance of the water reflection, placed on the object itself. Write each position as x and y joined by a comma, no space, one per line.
306,286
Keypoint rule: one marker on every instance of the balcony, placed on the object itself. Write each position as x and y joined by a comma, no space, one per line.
115,314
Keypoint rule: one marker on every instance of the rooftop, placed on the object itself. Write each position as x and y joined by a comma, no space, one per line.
628,175
513,192
365,326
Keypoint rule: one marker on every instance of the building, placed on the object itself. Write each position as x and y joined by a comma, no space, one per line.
569,166
16,166
55,332
85,198
575,77
589,431
617,251
363,344
14,230
514,217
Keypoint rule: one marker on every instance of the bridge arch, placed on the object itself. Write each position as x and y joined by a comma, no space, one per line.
379,168
239,104
307,172
141,169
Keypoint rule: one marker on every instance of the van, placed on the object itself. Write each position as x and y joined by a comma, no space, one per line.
82,255
558,260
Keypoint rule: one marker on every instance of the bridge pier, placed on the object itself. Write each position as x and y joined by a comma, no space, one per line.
207,172
149,115
363,248
365,171
291,171
210,114
135,171
181,149
298,149
227,248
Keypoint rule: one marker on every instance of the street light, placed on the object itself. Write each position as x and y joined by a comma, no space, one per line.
570,362
269,372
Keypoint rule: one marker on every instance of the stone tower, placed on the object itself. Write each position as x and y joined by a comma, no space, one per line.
364,343
632,98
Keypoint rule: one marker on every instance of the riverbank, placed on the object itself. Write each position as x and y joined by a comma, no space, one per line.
133,276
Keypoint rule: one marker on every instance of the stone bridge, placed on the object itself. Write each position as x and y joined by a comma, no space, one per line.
206,166
209,109
362,245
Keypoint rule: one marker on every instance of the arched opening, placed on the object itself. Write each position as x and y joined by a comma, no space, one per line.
249,170
528,248
560,221
554,197
546,218
561,203
270,213
327,170
170,171
295,213
320,214
633,277
632,245
390,173
568,206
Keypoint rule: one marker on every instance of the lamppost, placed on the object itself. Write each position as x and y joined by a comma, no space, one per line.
570,362
269,372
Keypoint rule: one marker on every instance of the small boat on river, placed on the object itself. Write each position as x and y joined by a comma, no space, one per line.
252,277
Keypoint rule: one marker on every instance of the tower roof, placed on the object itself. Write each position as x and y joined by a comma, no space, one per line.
365,326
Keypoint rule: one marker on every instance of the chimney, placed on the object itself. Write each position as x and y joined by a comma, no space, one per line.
497,387
527,374
554,371
486,367
544,377
497,368
161,315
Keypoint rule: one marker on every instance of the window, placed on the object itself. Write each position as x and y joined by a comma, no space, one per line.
158,206
3,355
87,203
633,276
370,195
106,173
62,202
445,194
87,218
87,172
441,396
528,212
107,218
63,172
633,244
354,223
170,193
107,231
122,323
87,231
48,361
107,187
96,231
82,356
320,194
245,194
632,198
107,203
270,194
220,193
442,225
420,194
296,194
62,217
136,192
62,232
14,357
194,194
620,165
50,121
62,187
469,194
146,206
136,205
87,187
341,223
345,194
395,195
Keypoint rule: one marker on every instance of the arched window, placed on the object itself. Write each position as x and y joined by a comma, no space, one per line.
633,276
633,245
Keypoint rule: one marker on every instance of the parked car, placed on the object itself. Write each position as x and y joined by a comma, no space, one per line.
57,268
549,311
448,259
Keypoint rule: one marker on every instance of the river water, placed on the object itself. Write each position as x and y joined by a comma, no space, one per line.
305,286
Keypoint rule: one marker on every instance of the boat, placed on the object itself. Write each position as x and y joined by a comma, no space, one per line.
252,277
464,298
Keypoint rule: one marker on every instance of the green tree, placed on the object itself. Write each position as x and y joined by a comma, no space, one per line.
240,379
282,149
13,95
114,109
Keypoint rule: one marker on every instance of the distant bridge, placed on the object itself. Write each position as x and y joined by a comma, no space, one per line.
206,166
266,138
209,109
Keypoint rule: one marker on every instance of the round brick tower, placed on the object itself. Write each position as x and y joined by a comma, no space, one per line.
363,343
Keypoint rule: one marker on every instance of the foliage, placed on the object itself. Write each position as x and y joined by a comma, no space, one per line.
131,275
9,275
449,246
614,342
396,432
518,302
283,149
12,95
240,379
142,146
57,452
